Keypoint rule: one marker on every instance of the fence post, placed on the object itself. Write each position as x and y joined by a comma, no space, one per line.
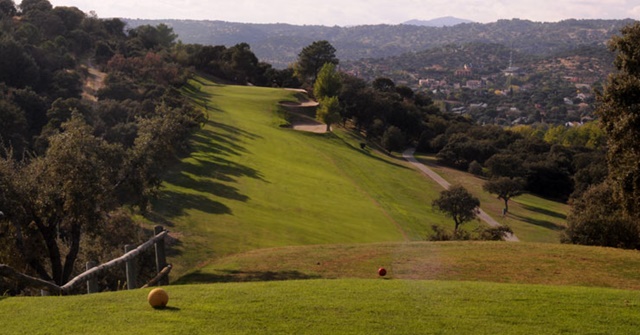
92,283
131,269
161,258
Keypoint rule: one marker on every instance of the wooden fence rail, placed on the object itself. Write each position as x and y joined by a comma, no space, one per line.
93,272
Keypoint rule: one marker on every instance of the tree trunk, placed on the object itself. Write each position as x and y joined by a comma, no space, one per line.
506,205
35,264
49,236
328,127
70,260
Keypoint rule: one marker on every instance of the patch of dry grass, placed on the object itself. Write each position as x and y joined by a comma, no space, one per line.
526,263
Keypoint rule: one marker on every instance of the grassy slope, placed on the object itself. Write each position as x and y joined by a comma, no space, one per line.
532,218
526,263
250,184
333,307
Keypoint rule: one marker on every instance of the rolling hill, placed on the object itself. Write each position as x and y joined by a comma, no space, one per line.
250,184
258,201
279,44
446,21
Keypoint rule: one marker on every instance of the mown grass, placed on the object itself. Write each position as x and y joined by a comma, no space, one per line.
526,263
251,184
373,306
532,218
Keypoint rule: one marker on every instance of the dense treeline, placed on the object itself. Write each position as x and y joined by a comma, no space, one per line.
237,64
90,115
608,213
75,161
555,161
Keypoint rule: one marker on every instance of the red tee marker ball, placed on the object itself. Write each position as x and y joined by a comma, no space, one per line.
382,272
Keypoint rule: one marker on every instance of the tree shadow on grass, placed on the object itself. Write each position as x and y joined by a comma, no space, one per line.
545,211
371,155
367,151
220,169
227,276
211,187
220,140
193,91
171,241
369,147
210,142
235,131
540,223
173,246
158,219
175,204
199,173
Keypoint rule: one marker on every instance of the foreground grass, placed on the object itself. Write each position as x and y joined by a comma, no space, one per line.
333,307
527,263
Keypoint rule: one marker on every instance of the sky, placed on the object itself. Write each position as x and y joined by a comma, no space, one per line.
357,12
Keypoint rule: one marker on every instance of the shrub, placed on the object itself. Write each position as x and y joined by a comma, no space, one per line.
439,234
475,168
493,233
597,219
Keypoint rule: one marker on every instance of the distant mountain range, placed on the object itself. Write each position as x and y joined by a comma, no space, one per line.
280,44
447,21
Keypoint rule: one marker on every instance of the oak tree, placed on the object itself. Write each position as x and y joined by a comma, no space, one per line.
596,218
505,188
57,197
457,203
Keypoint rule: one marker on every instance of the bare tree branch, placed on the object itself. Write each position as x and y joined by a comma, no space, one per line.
9,272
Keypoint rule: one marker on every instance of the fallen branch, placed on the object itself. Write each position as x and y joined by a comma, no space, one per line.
160,275
9,272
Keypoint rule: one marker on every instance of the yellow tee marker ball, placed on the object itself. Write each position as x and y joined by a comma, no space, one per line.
158,298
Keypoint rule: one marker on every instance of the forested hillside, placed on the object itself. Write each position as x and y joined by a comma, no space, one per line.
90,116
279,44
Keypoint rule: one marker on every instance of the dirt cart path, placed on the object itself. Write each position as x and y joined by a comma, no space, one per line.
408,155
